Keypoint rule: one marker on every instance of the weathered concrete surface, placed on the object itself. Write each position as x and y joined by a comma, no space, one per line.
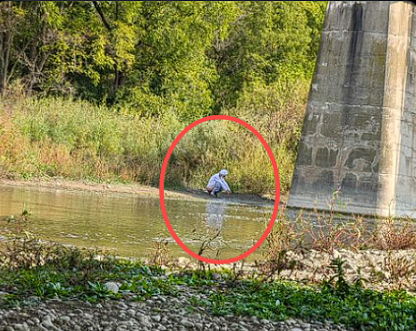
359,132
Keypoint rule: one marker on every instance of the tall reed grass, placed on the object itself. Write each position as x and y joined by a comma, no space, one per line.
72,139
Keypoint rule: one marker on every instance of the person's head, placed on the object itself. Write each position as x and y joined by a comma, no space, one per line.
223,173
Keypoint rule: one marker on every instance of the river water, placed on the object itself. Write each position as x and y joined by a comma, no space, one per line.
130,225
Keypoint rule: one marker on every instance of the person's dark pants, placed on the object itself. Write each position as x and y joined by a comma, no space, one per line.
216,189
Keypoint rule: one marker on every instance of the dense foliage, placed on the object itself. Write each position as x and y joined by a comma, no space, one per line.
194,57
163,61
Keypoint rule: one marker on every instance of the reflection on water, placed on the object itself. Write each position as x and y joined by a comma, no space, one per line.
131,224
215,214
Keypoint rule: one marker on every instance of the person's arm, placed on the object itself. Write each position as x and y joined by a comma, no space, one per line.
225,186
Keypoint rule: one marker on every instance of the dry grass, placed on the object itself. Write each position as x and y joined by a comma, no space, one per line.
394,235
76,140
160,254
399,268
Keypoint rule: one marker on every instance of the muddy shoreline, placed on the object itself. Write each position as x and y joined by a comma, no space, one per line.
136,189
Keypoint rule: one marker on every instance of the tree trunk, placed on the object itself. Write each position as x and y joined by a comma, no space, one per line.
119,76
5,44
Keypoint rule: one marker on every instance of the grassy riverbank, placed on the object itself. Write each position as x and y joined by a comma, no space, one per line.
75,140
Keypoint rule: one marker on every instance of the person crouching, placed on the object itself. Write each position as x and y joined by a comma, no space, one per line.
218,184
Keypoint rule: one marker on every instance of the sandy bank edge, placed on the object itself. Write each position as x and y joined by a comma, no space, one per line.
131,189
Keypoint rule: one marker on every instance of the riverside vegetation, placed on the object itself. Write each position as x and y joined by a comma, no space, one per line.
98,90
56,138
268,292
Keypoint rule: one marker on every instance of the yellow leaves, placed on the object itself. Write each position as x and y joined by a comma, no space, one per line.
125,40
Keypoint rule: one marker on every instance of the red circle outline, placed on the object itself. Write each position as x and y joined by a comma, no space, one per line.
162,189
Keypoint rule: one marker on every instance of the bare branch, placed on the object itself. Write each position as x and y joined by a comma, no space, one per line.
103,18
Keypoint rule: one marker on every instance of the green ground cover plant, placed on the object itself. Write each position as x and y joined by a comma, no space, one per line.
84,279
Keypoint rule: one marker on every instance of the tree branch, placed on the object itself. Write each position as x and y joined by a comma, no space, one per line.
101,13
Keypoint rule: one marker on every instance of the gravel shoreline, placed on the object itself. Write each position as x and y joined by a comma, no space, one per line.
186,307
189,307
381,269
159,313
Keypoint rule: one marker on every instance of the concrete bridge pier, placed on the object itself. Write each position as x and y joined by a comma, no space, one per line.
359,132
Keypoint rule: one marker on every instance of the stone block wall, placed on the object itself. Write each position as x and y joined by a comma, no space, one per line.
359,127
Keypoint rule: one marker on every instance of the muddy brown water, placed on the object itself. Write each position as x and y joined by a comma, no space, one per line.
131,225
